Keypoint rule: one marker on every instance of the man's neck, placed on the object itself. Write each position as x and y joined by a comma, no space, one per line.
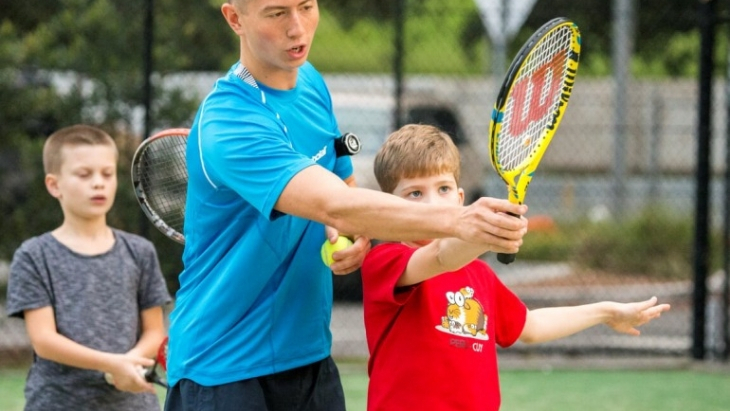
272,77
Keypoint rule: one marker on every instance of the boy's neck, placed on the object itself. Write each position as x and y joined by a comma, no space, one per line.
84,238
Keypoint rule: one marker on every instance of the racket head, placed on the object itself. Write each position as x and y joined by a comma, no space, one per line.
531,103
160,179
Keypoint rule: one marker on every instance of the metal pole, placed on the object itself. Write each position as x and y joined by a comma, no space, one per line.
400,12
147,88
704,130
499,57
724,317
622,45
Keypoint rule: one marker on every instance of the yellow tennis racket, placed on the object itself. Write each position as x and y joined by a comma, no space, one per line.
530,105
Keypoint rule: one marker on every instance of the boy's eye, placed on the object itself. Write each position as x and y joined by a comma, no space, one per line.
415,194
444,189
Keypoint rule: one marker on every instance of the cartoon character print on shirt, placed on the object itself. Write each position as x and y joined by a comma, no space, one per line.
464,315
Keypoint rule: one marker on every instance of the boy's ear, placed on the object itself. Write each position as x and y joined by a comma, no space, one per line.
461,196
52,185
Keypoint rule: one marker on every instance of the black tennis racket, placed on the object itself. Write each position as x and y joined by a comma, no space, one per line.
530,105
160,180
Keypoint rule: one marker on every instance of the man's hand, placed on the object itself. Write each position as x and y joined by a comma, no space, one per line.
486,221
350,259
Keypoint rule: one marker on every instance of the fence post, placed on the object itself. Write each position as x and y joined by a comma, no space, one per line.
706,14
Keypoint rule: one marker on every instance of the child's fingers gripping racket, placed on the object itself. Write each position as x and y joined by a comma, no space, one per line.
160,179
531,104
154,374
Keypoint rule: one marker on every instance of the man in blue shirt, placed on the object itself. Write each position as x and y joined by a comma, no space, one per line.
250,329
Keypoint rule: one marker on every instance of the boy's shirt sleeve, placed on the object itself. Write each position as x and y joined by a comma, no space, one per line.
26,288
381,269
511,313
153,290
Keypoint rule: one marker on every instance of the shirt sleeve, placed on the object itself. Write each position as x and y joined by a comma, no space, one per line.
27,289
152,287
250,155
343,167
512,314
382,268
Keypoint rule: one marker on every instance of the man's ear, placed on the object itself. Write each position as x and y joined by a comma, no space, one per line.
51,181
232,16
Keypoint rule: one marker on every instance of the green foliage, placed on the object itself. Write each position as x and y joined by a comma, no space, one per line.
547,245
27,208
376,57
654,243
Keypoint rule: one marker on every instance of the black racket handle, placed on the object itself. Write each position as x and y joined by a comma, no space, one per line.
507,258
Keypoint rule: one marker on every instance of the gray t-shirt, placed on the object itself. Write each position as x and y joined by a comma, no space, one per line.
97,302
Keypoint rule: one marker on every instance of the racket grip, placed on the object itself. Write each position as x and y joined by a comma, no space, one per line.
507,258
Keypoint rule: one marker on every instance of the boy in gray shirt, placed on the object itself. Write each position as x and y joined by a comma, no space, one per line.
91,295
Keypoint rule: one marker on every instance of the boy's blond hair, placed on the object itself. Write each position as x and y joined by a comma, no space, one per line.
72,136
415,150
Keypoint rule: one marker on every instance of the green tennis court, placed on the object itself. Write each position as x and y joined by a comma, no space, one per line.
705,389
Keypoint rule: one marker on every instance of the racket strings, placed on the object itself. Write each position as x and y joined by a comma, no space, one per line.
535,97
164,179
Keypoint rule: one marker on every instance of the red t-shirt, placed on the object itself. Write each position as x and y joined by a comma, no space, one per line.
433,345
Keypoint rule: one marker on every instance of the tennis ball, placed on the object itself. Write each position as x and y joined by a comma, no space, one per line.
329,248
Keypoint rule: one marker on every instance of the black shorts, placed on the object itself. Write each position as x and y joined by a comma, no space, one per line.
314,387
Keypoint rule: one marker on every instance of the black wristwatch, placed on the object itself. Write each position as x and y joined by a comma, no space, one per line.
347,145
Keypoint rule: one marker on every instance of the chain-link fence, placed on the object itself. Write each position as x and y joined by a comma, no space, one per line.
612,206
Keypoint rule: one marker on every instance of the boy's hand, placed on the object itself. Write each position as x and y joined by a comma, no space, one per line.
627,317
128,374
350,259
486,221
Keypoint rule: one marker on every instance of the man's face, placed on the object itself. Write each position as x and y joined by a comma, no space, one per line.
276,35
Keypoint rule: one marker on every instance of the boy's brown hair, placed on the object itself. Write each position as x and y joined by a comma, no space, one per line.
72,136
415,150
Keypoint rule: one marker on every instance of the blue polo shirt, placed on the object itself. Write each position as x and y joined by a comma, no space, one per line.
254,296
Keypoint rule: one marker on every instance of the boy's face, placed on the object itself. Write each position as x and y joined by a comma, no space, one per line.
435,189
86,184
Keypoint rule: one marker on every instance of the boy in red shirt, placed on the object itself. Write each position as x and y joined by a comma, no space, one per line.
434,312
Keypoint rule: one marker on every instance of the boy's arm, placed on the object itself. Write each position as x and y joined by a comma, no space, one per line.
439,256
547,324
51,345
153,333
